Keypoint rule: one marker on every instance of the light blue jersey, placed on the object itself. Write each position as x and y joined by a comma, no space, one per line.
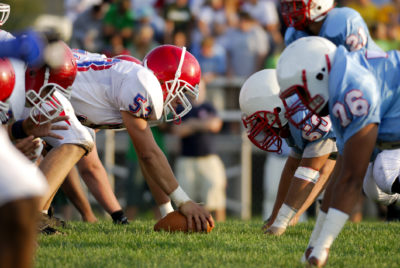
342,26
311,131
364,88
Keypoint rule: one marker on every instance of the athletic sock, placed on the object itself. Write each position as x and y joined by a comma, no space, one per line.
119,217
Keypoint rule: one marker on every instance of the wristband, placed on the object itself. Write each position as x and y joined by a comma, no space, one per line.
165,209
179,197
17,131
284,216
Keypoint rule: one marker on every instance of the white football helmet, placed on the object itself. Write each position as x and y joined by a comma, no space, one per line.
300,13
263,114
4,13
303,70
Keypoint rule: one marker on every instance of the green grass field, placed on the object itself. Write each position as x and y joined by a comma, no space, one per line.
232,244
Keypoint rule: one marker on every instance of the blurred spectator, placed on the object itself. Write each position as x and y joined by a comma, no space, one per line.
367,9
212,59
178,18
75,7
142,42
265,12
87,29
211,20
147,15
199,170
181,39
119,21
247,47
116,47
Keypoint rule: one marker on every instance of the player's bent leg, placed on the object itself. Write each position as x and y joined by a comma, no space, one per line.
18,220
95,177
73,189
56,166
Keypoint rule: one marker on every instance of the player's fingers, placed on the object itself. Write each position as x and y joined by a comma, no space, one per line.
58,127
211,221
204,224
198,223
265,227
56,136
23,143
190,223
60,118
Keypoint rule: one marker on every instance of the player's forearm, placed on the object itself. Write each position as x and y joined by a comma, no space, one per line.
156,167
284,184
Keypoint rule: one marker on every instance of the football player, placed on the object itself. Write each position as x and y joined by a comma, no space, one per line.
114,93
360,92
343,26
313,152
21,183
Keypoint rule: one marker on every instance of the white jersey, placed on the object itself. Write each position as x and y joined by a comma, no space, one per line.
19,178
4,35
106,86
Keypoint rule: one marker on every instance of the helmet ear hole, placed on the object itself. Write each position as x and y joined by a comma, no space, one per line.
320,76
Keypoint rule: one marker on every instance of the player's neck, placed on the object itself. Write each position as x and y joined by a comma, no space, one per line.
315,27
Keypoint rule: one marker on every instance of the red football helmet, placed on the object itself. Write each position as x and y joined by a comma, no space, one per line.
300,13
179,73
128,58
41,83
4,13
7,82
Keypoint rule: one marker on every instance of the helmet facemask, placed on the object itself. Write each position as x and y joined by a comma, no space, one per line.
263,129
4,109
182,92
298,99
176,103
4,13
45,106
295,13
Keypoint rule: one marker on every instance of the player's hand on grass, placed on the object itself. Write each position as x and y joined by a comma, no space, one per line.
267,224
277,231
196,216
318,258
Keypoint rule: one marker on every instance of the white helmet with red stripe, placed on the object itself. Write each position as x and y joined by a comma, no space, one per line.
263,114
303,76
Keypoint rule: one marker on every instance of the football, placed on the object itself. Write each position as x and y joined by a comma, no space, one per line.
175,222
